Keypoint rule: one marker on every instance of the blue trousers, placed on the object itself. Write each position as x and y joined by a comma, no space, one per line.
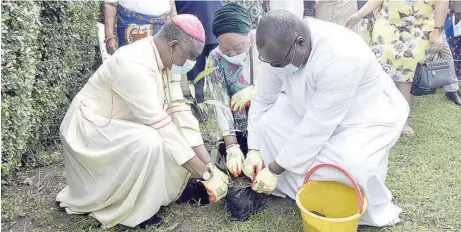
199,67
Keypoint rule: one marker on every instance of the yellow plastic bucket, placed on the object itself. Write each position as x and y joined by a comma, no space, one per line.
328,206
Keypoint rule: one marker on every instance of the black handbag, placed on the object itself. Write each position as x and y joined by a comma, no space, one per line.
431,74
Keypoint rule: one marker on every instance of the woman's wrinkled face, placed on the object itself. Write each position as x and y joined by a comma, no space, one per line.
232,44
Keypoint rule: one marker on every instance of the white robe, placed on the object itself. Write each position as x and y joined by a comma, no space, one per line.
340,108
125,136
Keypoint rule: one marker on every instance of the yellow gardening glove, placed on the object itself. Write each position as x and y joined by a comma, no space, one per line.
218,172
265,181
216,187
252,164
234,160
242,99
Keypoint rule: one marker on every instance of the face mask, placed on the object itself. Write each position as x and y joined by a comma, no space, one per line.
185,68
238,59
290,68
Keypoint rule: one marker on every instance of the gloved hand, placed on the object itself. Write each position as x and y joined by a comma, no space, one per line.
265,181
242,99
216,187
252,163
234,159
218,172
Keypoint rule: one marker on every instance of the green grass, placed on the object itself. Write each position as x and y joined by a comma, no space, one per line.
424,176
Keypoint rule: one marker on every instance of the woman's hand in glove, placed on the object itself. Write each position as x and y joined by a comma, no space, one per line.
242,99
234,159
252,164
216,187
265,181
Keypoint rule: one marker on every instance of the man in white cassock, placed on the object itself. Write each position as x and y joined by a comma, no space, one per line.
130,141
323,98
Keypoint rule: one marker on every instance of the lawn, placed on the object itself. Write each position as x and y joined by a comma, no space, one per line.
424,176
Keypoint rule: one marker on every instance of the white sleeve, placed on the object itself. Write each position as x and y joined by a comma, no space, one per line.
137,86
181,113
336,85
264,96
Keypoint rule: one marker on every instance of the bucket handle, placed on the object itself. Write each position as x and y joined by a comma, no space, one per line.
354,183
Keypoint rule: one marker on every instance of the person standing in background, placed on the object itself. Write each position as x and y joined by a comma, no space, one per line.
403,36
204,10
296,7
135,19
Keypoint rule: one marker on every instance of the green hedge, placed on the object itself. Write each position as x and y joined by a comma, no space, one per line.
49,49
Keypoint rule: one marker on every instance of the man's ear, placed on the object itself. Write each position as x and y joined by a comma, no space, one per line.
173,44
301,41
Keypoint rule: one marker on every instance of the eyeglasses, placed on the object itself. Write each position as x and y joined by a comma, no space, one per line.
275,63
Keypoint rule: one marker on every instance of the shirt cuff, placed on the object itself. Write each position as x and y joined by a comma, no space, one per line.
194,138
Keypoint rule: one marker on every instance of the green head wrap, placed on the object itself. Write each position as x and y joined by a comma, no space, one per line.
231,18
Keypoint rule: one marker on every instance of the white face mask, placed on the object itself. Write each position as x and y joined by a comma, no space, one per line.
289,69
185,68
238,59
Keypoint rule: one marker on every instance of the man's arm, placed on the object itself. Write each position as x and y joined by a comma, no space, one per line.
336,86
202,154
184,119
264,96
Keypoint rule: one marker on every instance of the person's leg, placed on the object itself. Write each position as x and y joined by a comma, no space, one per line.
451,91
404,88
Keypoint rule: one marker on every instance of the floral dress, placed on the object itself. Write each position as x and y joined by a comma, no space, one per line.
400,36
226,80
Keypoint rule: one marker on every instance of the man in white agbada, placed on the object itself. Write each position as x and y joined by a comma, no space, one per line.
130,141
323,98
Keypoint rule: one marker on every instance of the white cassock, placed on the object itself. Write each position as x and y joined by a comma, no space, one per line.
125,136
340,108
